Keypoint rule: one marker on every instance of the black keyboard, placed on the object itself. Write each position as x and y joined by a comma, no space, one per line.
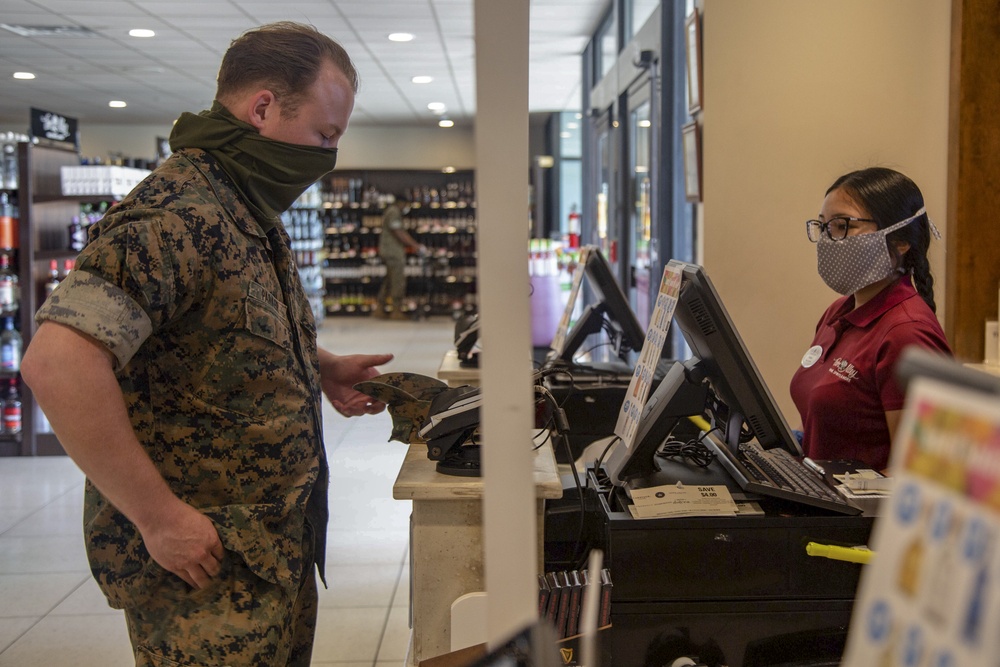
790,479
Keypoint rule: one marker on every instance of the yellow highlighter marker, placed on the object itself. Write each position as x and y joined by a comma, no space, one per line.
861,555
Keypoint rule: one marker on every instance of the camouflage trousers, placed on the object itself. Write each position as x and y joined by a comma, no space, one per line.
393,285
239,620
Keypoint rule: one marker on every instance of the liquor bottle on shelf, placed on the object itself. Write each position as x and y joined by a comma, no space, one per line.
77,234
8,223
10,347
8,161
12,409
10,293
53,281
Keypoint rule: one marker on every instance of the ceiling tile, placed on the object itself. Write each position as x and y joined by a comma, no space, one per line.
175,71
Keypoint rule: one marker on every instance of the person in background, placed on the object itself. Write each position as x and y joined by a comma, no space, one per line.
871,239
393,244
178,365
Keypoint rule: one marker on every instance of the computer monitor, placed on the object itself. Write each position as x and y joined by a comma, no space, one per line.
610,313
720,379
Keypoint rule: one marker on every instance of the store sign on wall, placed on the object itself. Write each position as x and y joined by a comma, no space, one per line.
50,125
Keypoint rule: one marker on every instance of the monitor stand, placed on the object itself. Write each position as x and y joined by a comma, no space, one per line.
680,394
461,461
453,455
594,319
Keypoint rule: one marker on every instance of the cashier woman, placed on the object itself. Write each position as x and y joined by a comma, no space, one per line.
871,244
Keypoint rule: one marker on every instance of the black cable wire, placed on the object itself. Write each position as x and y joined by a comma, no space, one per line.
585,353
600,460
694,450
545,429
576,557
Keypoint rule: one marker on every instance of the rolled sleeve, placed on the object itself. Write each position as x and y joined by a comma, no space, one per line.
95,307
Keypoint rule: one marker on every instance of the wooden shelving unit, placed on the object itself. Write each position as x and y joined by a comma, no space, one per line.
45,215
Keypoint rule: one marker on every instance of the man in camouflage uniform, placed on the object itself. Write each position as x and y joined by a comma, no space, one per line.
178,365
393,244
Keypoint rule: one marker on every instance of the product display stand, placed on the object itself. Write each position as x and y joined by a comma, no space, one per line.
45,216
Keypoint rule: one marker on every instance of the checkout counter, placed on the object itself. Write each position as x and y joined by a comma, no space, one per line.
739,591
446,544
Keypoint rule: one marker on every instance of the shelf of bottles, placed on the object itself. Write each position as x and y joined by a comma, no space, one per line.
11,341
442,218
41,233
306,228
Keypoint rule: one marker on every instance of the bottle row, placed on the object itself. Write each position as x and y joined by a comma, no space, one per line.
365,246
349,191
362,299
10,287
9,222
11,348
10,409
374,270
8,159
308,224
74,238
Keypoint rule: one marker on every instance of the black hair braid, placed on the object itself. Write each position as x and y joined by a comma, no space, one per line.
923,281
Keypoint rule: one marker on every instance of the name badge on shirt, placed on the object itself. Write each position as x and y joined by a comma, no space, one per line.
811,356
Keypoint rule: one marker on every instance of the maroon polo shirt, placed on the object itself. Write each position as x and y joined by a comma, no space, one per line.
850,385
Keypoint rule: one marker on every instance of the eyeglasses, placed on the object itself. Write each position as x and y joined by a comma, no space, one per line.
836,229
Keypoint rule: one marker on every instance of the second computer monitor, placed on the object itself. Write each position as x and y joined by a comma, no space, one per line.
720,380
610,313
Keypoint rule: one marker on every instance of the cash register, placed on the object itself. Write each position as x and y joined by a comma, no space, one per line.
734,590
589,365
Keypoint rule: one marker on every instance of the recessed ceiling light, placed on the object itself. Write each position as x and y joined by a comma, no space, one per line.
571,126
436,106
579,116
448,170
445,122
49,30
645,123
141,32
565,135
422,79
24,75
117,104
400,37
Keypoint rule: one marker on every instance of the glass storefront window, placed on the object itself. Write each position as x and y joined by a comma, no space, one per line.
639,12
570,171
607,38
641,213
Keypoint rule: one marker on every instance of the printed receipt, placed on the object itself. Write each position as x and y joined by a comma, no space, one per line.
675,500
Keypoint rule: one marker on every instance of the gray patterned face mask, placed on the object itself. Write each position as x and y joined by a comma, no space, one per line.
856,262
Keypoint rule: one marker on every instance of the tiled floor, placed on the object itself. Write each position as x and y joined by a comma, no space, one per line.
52,614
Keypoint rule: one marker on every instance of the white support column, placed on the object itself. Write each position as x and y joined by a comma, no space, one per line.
501,137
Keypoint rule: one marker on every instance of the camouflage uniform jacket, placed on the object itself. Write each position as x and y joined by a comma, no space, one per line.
215,351
388,244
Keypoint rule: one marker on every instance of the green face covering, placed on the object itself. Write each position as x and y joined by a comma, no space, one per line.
269,174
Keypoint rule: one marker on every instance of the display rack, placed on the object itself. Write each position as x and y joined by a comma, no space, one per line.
45,216
442,218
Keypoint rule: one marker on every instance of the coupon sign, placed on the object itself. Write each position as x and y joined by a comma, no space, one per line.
645,368
930,596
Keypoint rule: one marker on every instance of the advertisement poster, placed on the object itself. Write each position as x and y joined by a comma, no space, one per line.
645,367
930,598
